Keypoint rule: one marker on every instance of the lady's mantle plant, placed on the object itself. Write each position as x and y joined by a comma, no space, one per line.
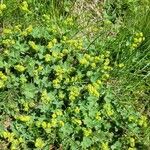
61,93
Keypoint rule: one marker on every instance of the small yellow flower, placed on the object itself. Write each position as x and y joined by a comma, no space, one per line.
2,76
134,45
20,68
59,113
99,82
61,95
140,40
87,132
105,146
93,65
29,29
131,118
61,123
24,7
108,109
5,134
48,125
54,115
132,142
135,40
83,61
44,125
50,45
143,121
77,110
54,41
48,58
7,31
39,143
24,118
121,65
72,98
54,123
17,28
33,45
77,121
2,7
98,117
20,140
141,34
24,33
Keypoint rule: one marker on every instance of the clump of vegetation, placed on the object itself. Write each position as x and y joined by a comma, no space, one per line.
62,87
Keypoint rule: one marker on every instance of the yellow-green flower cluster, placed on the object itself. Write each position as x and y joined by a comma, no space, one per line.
61,95
56,83
108,108
37,71
121,65
44,97
143,121
28,105
93,89
97,116
69,21
2,8
51,43
54,121
76,121
132,118
46,18
106,64
3,79
7,31
2,76
74,92
12,138
48,58
24,118
132,142
8,135
138,39
24,7
89,60
8,42
33,45
25,32
39,143
77,44
57,55
87,132
105,146
17,28
75,78
59,70
20,68
77,110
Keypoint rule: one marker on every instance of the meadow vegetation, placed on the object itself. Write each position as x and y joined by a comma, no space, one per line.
74,75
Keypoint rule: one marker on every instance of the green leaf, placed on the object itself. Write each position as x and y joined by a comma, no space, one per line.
87,142
29,90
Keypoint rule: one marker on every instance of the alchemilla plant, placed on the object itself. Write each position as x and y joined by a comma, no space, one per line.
56,87
61,94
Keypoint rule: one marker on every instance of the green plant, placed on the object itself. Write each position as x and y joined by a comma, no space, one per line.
62,89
